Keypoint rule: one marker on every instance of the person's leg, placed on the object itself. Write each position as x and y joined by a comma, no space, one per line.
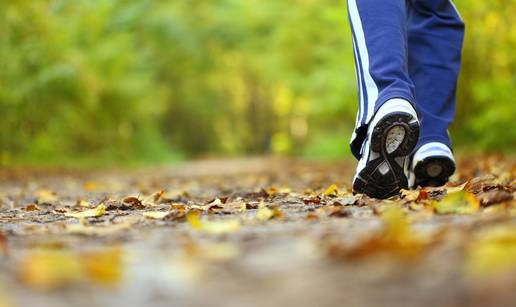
380,47
435,35
386,126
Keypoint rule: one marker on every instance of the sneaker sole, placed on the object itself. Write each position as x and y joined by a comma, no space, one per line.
434,171
383,177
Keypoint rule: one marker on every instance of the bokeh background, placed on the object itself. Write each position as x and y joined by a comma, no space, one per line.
131,82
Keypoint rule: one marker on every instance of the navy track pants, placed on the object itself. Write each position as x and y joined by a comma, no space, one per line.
408,49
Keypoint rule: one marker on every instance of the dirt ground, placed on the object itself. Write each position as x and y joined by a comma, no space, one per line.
256,232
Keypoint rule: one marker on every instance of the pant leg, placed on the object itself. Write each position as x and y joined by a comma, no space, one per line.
379,32
435,34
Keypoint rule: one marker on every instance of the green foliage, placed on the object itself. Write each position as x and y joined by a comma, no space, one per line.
124,81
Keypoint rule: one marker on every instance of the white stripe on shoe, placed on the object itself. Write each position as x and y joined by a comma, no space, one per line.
433,149
394,105
371,87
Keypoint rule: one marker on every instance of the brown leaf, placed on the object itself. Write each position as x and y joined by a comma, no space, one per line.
32,207
3,242
494,197
340,212
314,200
310,216
134,202
157,196
423,195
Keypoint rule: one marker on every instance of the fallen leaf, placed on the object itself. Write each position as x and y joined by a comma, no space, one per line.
91,185
45,196
3,243
95,212
396,238
494,197
134,202
102,267
423,194
157,196
459,202
215,204
410,195
332,190
264,214
338,211
492,251
310,216
49,270
454,189
5,301
156,215
212,227
53,269
32,207
83,203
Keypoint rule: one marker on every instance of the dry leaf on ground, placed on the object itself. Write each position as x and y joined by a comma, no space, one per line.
95,212
459,202
212,227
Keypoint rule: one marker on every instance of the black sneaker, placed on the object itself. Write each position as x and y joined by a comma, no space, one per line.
392,135
432,165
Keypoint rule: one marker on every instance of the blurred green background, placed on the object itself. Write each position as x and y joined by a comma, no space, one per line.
119,82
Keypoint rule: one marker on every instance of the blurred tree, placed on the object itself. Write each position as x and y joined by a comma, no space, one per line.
125,80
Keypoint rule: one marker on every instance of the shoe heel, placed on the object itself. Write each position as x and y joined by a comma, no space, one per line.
425,178
402,122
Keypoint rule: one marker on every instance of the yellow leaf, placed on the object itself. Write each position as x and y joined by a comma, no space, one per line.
103,266
492,251
212,227
264,214
332,190
50,270
83,203
396,238
459,202
410,195
459,188
95,212
193,219
4,300
216,202
156,215
242,207
91,185
45,196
